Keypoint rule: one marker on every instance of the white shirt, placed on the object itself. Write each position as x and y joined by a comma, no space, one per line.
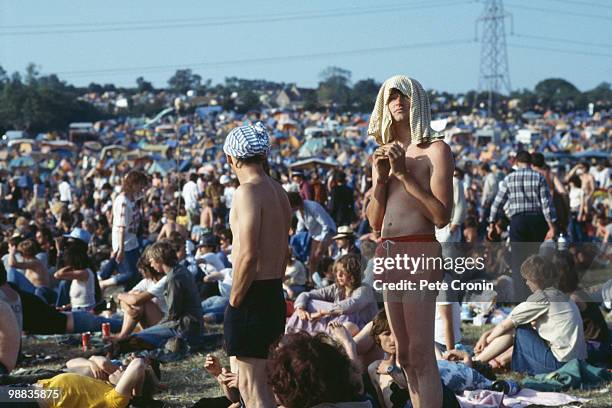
213,262
602,178
156,289
440,329
557,321
65,191
314,219
83,293
228,196
576,195
123,217
190,195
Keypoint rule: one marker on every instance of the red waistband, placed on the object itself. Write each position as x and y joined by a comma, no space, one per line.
412,238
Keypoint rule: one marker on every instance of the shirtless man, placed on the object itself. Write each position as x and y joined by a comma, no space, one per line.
260,218
412,194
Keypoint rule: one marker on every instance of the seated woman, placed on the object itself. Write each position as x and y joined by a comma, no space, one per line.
80,289
145,304
35,271
545,330
347,301
323,373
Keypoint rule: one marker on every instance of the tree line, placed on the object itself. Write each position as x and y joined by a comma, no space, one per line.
39,103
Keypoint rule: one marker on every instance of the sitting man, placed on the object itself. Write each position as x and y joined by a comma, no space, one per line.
184,318
145,304
542,333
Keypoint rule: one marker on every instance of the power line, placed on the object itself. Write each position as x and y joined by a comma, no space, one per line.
594,54
550,11
562,40
208,18
119,71
582,3
234,21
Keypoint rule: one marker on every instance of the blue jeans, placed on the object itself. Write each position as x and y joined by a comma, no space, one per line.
157,335
215,306
89,322
19,279
531,354
127,271
14,276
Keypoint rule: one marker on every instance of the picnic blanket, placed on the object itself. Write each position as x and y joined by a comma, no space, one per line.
573,374
525,398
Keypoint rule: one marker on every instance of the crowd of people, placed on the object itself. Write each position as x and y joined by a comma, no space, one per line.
283,256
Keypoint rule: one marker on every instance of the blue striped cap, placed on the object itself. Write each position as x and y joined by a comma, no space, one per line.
247,141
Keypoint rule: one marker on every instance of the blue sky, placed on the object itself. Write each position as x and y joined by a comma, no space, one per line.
363,37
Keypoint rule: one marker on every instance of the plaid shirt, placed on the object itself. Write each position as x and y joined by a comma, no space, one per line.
525,190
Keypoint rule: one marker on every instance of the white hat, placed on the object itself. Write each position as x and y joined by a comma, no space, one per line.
344,231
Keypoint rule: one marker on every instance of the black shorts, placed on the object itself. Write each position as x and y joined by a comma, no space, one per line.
3,369
253,327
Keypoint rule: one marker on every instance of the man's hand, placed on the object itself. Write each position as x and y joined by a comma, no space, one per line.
229,379
550,235
453,228
318,314
397,158
97,372
212,365
381,163
481,344
120,256
455,355
303,314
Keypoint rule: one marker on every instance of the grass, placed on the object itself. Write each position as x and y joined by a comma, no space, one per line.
187,380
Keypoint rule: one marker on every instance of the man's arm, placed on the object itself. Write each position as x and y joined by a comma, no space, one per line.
498,203
249,225
378,193
437,204
135,298
547,208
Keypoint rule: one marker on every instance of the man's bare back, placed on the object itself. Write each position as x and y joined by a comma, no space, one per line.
269,199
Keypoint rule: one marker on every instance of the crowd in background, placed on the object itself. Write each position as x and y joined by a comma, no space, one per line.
157,239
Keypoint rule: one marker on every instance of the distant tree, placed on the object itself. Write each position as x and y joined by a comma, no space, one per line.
364,95
144,86
184,80
334,89
94,87
601,95
557,93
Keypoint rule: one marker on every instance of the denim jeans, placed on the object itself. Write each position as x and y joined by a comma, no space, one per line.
19,279
157,335
89,322
531,354
215,306
127,270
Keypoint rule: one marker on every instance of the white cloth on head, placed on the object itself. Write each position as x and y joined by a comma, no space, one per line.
247,141
420,115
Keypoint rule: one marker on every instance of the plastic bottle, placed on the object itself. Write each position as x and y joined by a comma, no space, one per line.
562,243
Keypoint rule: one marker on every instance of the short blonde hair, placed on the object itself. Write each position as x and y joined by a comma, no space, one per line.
540,271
